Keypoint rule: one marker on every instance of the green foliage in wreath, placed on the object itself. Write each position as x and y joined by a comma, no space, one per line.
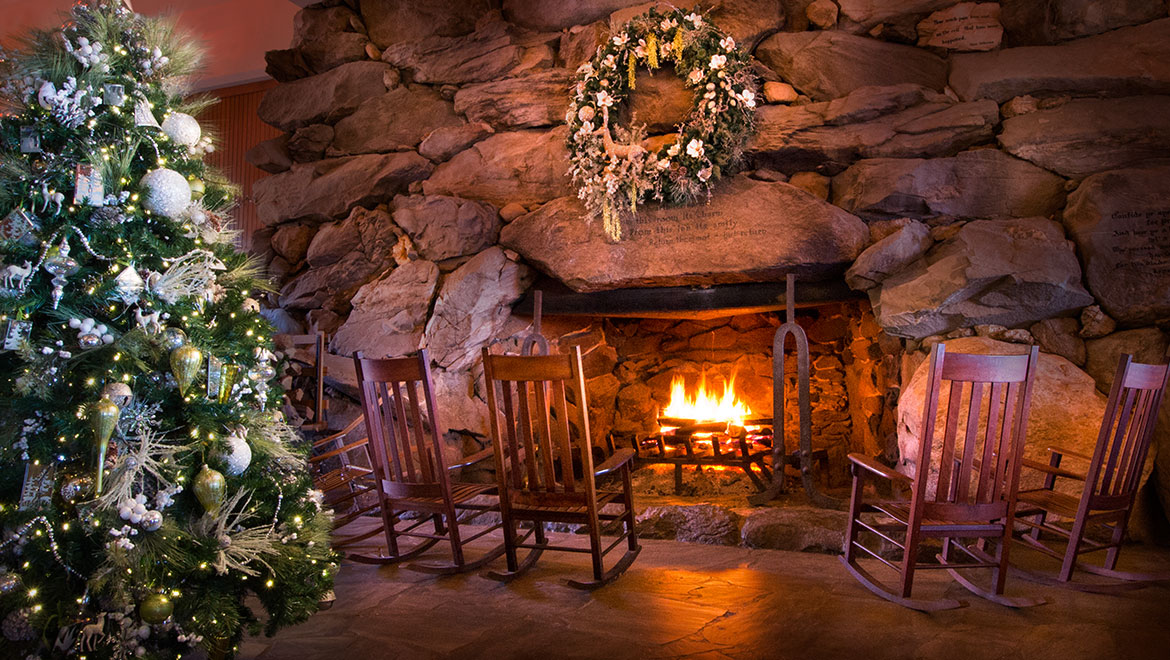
615,167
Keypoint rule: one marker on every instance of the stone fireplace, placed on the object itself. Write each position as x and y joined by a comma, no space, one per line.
922,187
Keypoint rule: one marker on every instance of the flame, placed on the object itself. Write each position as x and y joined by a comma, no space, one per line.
705,406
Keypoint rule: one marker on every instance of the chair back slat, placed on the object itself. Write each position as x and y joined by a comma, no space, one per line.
981,443
536,427
1126,432
403,431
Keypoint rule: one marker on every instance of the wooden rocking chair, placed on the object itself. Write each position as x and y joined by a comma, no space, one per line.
312,398
535,438
978,476
410,468
1108,488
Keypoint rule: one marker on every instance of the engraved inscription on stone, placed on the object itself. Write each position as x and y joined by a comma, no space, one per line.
1140,240
965,26
690,225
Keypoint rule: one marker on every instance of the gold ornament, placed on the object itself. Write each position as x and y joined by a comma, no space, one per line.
185,363
209,487
155,609
197,188
228,381
677,47
652,51
103,418
632,65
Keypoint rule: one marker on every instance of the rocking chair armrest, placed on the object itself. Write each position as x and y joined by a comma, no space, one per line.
1044,467
1069,452
343,432
340,450
867,463
481,455
620,458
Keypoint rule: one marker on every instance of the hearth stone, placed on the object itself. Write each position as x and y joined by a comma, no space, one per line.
729,240
1066,409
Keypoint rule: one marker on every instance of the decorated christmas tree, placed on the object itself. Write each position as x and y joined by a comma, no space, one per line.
150,490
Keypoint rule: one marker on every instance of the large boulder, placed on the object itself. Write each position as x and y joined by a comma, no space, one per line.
534,99
747,21
1120,221
344,256
749,231
389,23
493,51
965,26
1146,345
394,121
899,121
389,313
1133,60
984,183
889,255
1029,22
323,98
442,143
292,240
444,227
1010,272
525,167
331,188
1066,410
473,307
328,37
1086,136
861,15
828,65
271,155
550,15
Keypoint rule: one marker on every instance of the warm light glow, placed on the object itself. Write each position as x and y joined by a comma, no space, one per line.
704,406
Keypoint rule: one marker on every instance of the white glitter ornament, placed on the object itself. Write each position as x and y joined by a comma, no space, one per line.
167,192
182,128
239,455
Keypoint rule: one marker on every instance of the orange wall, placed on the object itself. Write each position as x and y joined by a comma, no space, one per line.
238,127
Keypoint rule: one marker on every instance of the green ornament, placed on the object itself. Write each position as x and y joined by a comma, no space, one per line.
197,188
209,487
103,418
185,363
155,609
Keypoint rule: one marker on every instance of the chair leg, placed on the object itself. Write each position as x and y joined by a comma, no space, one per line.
854,512
1070,552
628,490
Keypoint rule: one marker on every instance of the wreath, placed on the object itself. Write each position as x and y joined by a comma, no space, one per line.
616,168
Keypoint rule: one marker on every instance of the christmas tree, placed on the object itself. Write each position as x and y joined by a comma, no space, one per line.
149,488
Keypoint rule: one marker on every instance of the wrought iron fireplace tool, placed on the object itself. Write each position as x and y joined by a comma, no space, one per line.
805,453
535,343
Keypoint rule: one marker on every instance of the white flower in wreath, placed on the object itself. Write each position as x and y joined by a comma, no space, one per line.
695,148
609,62
695,19
748,97
694,77
585,69
704,174
568,115
621,40
640,49
663,164
672,150
667,24
604,99
717,61
586,113
727,43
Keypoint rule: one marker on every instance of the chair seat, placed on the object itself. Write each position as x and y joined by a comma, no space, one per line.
460,493
1048,500
603,497
340,477
900,511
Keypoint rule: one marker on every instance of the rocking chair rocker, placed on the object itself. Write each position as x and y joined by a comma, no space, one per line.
410,469
1109,486
531,441
978,476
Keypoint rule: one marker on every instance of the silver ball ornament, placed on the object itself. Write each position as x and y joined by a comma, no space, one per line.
262,372
89,340
182,128
167,192
151,520
238,456
173,338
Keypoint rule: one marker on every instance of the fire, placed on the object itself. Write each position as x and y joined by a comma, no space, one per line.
704,406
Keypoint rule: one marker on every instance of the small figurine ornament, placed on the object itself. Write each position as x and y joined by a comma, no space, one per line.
18,273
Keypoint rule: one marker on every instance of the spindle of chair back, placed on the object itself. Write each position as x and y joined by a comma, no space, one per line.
532,425
978,462
407,447
1126,432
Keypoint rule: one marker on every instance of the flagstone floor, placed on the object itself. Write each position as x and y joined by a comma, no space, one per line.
683,600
